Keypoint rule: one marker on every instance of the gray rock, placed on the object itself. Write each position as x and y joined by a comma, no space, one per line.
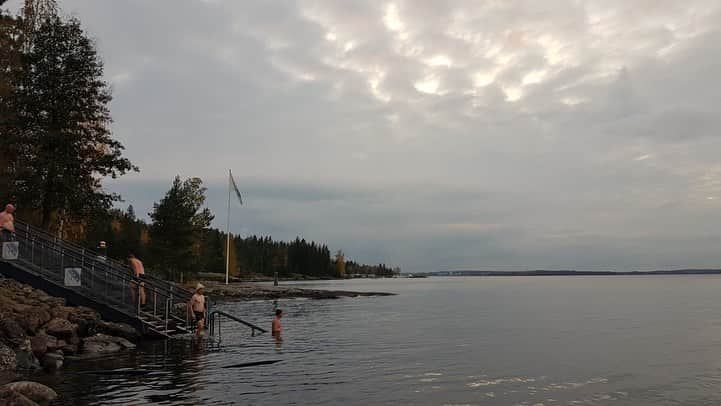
26,360
11,398
7,358
52,361
123,330
39,345
11,331
60,328
34,391
105,344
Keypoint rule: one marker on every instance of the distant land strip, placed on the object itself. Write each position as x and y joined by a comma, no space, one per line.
572,273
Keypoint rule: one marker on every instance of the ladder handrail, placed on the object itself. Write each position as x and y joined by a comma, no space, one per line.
215,313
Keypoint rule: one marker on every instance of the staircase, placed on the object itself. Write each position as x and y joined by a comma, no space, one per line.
85,278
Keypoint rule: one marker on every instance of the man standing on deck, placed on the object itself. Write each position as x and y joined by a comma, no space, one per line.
7,223
137,286
196,307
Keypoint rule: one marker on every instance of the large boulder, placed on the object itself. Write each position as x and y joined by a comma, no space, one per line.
60,328
33,318
26,360
52,361
34,391
61,312
123,330
39,345
7,358
105,344
11,332
53,343
11,398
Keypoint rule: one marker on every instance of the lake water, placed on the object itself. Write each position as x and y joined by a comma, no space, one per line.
444,341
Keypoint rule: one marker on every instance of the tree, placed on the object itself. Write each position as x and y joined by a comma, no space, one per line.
11,42
178,222
63,143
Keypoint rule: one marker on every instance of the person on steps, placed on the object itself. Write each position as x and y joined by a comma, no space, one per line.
7,223
137,286
196,307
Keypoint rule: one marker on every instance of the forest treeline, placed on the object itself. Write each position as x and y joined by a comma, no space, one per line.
56,148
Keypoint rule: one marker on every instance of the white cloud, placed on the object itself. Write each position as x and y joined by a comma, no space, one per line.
447,117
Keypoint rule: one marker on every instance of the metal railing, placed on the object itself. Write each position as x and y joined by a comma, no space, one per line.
101,279
215,316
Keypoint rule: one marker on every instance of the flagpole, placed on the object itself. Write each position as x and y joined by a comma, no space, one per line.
227,244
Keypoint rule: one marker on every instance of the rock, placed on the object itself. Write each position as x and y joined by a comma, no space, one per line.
53,343
70,349
119,330
60,328
33,318
7,377
25,359
39,345
61,312
7,358
11,398
11,332
52,361
34,391
105,344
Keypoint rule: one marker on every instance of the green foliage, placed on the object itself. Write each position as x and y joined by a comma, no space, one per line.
178,223
62,143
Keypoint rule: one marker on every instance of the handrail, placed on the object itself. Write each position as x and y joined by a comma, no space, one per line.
216,313
102,279
108,263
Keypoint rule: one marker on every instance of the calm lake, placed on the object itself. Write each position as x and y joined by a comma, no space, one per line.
442,341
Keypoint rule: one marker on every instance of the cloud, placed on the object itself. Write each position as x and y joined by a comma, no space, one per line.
432,134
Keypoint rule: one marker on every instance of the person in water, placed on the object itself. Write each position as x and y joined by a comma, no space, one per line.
197,307
277,328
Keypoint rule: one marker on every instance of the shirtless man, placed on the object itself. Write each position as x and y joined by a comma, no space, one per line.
277,328
138,275
7,223
196,307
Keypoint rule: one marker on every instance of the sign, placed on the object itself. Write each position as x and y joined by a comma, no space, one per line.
73,276
11,250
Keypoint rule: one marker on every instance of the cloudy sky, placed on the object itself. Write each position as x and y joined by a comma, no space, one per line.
432,134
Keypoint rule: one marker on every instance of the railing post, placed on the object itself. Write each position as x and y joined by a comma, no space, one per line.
167,312
137,291
62,262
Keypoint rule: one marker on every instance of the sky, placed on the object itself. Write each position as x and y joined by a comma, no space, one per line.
431,134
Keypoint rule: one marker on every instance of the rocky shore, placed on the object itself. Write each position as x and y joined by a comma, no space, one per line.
251,291
38,331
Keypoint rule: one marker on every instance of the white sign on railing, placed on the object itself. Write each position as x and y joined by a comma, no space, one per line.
11,250
73,276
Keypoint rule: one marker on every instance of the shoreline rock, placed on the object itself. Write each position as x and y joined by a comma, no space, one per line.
39,331
249,292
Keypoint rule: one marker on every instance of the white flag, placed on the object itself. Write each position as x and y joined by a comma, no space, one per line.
235,187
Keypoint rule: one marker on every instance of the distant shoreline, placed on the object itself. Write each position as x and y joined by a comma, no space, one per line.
575,273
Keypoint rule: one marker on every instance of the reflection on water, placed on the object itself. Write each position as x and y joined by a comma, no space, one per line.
454,341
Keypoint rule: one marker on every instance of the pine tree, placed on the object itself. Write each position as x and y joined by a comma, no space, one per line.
177,223
63,143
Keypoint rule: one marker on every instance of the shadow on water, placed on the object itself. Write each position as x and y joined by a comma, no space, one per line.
172,372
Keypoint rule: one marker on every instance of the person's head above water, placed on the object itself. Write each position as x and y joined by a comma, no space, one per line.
131,255
9,208
199,288
278,313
